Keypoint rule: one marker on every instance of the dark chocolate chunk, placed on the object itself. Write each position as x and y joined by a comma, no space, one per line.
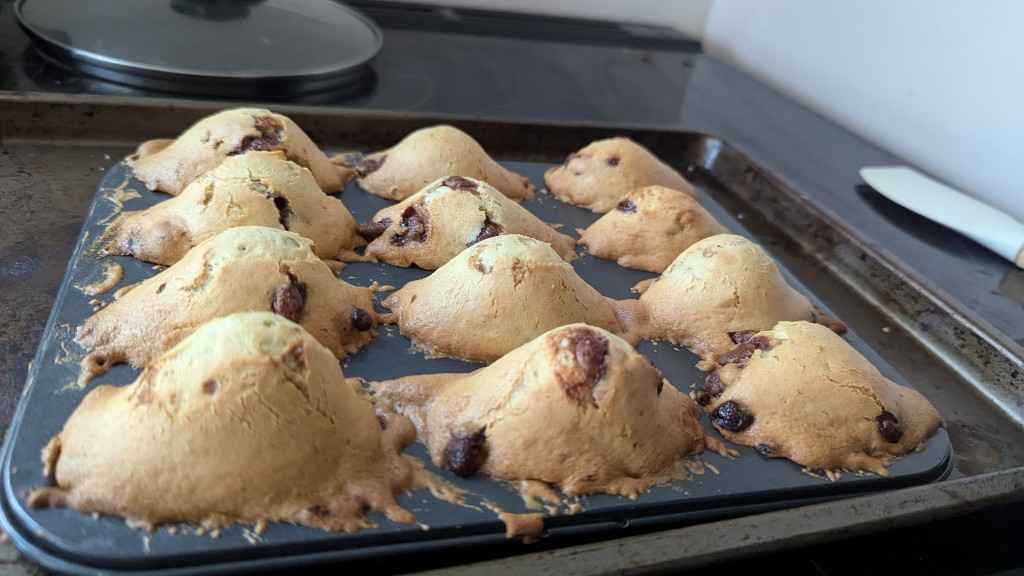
488,230
627,206
414,228
319,510
210,386
464,455
713,387
361,319
713,384
613,160
702,397
371,230
271,131
590,350
731,416
459,183
289,299
741,336
742,353
295,357
284,211
889,427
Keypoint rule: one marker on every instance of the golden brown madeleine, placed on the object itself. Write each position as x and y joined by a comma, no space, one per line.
427,155
719,286
171,166
243,269
495,296
799,391
251,189
249,419
434,225
649,227
576,407
599,175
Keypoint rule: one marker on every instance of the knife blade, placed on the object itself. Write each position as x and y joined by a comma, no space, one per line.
980,222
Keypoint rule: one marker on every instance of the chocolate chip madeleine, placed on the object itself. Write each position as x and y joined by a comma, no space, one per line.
576,407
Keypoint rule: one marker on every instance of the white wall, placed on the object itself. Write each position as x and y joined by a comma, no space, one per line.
940,83
685,15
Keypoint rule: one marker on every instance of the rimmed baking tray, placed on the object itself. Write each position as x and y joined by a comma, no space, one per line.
69,541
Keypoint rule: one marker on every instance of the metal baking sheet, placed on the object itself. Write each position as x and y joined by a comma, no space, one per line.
70,541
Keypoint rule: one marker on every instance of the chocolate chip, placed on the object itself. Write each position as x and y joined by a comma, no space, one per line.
613,160
361,319
889,427
627,206
382,421
589,352
284,211
764,450
488,230
731,416
270,130
289,299
459,183
713,388
713,383
370,165
464,455
702,398
371,230
295,357
741,336
319,510
210,387
661,385
742,353
414,228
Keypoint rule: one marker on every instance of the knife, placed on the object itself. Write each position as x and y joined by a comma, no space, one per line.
992,228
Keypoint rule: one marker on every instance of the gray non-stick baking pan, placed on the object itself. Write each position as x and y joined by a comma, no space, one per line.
69,541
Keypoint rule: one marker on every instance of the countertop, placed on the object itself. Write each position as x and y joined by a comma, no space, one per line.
521,68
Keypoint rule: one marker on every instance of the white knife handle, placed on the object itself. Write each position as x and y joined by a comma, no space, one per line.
980,222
